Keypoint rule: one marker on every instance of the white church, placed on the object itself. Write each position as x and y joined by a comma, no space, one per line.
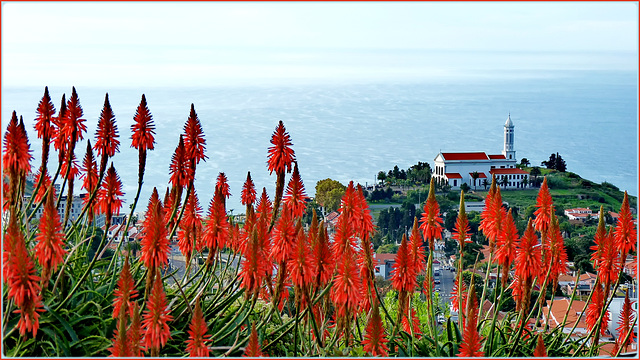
456,168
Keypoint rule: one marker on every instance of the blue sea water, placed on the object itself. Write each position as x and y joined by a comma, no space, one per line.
351,131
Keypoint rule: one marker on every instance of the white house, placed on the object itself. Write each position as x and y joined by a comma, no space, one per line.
581,214
456,168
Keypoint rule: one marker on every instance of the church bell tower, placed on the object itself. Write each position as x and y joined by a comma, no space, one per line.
508,151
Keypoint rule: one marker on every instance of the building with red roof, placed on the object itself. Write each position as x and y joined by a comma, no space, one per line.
476,168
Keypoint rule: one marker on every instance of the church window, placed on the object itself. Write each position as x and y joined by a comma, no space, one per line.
509,156
455,182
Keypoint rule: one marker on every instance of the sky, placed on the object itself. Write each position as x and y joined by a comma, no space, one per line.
202,43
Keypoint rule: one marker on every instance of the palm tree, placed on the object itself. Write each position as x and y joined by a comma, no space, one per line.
474,176
524,181
505,181
485,183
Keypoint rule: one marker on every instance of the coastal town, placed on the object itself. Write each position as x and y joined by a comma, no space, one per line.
468,171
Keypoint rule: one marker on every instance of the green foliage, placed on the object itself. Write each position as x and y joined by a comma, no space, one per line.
387,249
328,194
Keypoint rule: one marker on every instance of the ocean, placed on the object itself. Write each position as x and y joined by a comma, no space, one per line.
350,131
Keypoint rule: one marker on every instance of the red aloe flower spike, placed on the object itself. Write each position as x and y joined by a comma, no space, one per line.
322,258
107,143
223,184
194,141
487,222
365,262
295,197
280,158
301,260
414,327
216,231
198,338
253,347
248,196
254,266
73,126
59,141
155,244
345,292
544,203
179,167
364,225
507,241
90,175
431,222
301,272
143,129
349,205
606,257
454,295
264,205
44,126
417,251
109,201
125,292
557,252
471,340
17,153
281,155
624,324
528,255
528,263
344,238
190,226
46,183
23,283
626,236
461,230
540,350
75,169
156,317
284,238
119,350
134,333
594,309
403,277
49,249
375,340
142,132
492,217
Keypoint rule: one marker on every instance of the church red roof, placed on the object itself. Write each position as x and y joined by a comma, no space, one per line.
508,171
470,156
453,176
481,175
497,157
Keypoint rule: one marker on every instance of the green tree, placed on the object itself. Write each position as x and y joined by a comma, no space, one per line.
382,177
535,172
328,194
464,187
525,162
560,164
551,163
